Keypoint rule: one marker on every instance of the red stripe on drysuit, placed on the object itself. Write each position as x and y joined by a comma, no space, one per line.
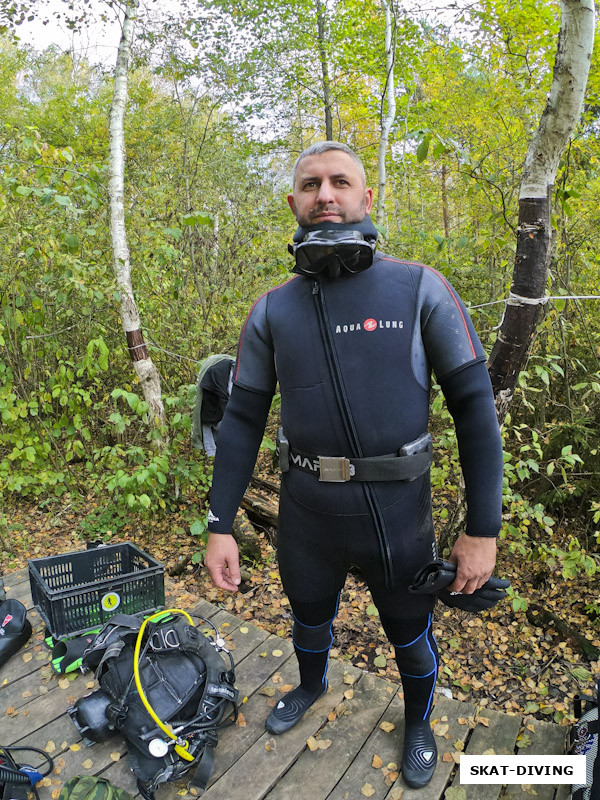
447,285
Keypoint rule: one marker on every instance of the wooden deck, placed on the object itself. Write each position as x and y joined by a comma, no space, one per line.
250,764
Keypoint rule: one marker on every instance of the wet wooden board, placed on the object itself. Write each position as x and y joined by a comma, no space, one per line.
250,763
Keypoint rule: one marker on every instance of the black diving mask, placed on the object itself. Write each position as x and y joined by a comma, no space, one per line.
333,252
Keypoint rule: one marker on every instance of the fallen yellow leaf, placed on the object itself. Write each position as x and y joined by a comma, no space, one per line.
270,745
349,694
75,747
367,790
50,747
244,629
396,793
349,679
268,690
115,756
241,721
287,687
324,744
27,657
55,794
277,653
87,764
377,762
388,727
441,729
64,683
312,744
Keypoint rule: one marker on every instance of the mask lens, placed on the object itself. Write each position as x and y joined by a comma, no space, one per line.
348,249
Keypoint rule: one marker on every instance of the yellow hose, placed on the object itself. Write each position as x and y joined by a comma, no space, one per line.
180,749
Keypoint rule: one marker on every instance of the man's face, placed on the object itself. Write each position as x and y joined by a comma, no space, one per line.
329,188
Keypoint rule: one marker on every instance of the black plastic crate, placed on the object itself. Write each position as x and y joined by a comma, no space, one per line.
76,592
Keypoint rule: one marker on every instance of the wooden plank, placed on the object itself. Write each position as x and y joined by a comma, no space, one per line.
40,712
547,739
322,769
14,579
388,746
446,712
259,769
501,737
18,667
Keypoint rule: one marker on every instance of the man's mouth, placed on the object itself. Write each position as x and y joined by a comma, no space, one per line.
326,215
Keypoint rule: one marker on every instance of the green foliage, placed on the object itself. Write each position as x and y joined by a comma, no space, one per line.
220,104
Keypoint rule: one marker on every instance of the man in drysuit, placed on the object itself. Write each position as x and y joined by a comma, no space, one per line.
352,339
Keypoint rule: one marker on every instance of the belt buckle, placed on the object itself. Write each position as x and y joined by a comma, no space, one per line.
335,469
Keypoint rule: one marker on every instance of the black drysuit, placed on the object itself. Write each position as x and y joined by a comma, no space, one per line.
353,357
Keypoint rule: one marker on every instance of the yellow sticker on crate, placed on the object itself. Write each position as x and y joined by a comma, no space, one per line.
110,601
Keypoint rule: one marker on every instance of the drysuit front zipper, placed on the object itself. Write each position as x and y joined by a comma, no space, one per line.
350,428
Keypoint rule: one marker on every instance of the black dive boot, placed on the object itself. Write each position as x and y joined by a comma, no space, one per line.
419,758
292,707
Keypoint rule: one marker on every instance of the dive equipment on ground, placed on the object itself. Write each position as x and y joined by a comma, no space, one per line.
166,688
408,463
88,787
68,653
334,250
584,739
15,628
17,779
434,577
77,592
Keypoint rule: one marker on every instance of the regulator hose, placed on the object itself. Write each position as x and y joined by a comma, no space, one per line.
181,745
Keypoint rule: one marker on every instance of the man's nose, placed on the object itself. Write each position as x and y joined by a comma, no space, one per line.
325,192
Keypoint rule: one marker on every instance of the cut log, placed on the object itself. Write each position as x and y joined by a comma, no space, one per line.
265,511
246,537
539,617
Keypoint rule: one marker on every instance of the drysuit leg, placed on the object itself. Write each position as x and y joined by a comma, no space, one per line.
417,658
312,641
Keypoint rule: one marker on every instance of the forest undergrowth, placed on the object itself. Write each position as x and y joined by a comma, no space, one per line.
500,659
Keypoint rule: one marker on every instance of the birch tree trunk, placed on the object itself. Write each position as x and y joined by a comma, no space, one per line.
389,93
324,71
142,363
563,108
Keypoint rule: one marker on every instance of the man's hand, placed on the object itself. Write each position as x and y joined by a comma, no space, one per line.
222,561
475,558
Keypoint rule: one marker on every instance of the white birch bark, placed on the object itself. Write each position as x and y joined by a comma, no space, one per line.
142,363
571,69
534,231
389,92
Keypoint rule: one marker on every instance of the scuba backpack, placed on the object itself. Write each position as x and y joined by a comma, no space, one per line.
584,739
166,688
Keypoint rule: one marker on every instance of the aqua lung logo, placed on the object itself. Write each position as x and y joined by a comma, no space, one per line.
370,325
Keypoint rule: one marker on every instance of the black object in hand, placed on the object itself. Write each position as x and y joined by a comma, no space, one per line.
435,577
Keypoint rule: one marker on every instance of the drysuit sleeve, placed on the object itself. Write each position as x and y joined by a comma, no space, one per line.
470,400
243,424
240,436
448,336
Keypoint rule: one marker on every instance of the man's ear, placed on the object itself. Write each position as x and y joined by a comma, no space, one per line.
291,204
368,199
